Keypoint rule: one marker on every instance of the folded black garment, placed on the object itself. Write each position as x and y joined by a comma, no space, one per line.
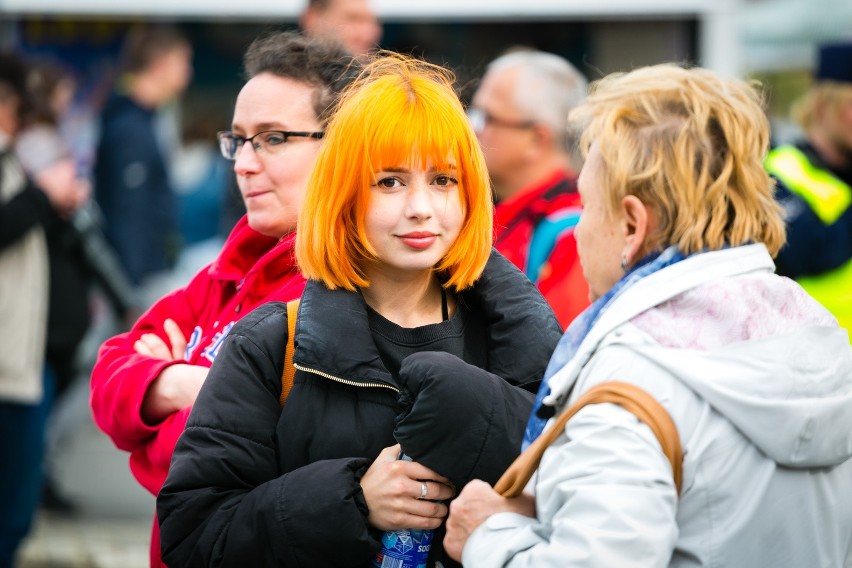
459,420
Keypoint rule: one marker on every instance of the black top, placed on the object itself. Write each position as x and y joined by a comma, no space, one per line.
395,342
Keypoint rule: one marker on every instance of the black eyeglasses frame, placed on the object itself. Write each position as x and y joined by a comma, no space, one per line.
227,138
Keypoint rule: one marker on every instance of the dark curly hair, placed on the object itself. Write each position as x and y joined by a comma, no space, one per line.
321,63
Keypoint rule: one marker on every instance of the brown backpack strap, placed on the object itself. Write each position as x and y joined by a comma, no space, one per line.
626,395
289,369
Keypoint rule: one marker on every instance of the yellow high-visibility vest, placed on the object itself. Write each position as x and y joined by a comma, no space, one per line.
828,197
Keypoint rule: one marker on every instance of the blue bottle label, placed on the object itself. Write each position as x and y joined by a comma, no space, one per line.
404,549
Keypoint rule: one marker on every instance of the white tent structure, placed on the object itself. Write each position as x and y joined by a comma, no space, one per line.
778,35
733,36
718,47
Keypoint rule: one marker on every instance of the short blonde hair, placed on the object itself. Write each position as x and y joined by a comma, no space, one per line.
690,145
400,110
822,95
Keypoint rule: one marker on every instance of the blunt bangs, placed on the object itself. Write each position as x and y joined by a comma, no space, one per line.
411,132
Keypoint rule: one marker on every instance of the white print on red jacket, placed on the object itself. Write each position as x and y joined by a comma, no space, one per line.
213,346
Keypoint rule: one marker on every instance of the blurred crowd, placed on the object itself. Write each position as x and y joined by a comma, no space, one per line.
159,263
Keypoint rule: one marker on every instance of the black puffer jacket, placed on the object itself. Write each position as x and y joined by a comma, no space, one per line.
251,484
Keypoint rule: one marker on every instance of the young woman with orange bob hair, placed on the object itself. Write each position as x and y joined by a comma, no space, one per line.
413,335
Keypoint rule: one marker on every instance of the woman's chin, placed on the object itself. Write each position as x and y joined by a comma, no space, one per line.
268,227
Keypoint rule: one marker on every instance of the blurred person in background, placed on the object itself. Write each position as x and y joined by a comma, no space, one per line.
38,146
145,382
520,113
78,255
26,383
351,22
132,185
816,186
202,176
206,192
676,240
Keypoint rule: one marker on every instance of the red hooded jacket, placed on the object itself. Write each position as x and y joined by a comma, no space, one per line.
250,270
534,229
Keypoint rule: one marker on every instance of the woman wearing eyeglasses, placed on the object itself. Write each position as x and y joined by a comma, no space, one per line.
412,334
145,381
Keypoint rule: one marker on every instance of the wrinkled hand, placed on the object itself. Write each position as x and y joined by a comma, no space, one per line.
392,489
151,345
473,506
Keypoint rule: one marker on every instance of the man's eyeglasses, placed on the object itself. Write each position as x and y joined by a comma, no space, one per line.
479,118
270,141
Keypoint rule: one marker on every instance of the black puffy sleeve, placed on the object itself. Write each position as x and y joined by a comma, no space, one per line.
226,502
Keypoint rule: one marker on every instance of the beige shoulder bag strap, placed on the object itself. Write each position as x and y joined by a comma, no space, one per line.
289,369
626,395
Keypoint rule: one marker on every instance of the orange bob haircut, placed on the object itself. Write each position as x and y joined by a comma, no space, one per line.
399,112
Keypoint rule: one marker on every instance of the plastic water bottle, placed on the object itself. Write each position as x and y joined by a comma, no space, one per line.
404,548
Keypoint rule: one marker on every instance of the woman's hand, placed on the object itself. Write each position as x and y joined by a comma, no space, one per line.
393,489
177,386
473,506
151,345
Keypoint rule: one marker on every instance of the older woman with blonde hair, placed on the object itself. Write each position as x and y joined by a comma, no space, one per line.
412,335
676,240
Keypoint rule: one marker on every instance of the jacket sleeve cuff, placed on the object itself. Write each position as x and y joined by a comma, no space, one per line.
118,389
312,495
496,541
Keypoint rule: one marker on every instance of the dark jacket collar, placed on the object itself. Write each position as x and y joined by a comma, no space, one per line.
816,159
333,337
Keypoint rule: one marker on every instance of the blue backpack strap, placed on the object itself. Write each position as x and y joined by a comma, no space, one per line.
545,236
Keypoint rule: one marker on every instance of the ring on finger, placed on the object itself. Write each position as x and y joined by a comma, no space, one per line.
424,490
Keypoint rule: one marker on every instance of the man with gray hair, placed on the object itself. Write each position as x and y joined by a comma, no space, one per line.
520,113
